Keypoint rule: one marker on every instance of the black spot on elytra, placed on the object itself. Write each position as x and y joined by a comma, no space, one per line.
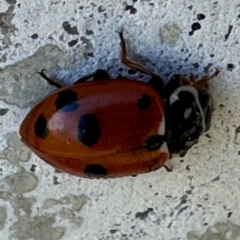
88,129
40,126
154,142
144,101
95,170
66,101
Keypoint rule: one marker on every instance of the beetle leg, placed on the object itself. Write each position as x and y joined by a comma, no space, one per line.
192,79
97,75
51,81
128,63
156,82
185,81
168,169
202,84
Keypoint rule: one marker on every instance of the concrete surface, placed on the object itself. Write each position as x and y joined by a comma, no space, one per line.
199,199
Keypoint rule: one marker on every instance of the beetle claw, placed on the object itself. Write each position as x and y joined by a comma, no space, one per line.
49,80
168,169
119,32
129,63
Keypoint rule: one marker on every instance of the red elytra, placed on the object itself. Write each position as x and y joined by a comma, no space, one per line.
104,128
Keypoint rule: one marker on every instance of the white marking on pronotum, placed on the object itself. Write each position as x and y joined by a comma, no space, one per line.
187,113
194,92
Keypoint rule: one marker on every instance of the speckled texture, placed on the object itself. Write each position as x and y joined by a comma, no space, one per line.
199,199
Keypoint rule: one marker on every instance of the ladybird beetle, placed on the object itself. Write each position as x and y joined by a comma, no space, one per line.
119,127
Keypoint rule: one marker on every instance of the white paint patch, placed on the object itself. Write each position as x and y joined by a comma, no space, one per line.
173,98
